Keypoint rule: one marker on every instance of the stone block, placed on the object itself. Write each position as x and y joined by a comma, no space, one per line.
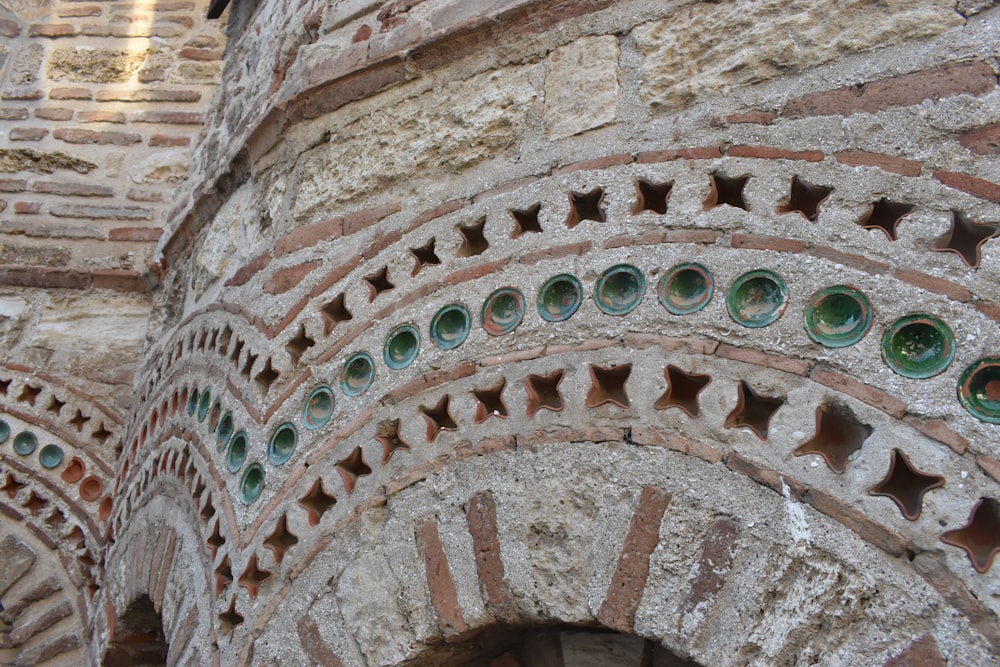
581,87
95,65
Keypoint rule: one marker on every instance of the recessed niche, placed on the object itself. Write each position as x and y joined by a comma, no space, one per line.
489,402
885,216
378,283
838,435
651,196
607,385
805,199
525,220
473,239
248,365
281,539
316,502
253,577
352,467
980,537
965,238
298,346
388,434
267,376
334,313
726,191
682,391
753,411
543,392
29,394
230,618
438,418
906,485
424,256
585,206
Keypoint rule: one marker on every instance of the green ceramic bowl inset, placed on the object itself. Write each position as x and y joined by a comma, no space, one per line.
50,456
502,311
559,298
918,346
686,288
224,432
358,374
192,405
979,389
282,443
4,431
204,404
25,443
401,347
318,408
757,298
450,326
236,455
619,289
838,316
252,483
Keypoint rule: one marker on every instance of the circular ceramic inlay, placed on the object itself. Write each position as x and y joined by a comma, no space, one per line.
224,432
918,346
559,298
50,456
74,471
686,288
619,289
91,488
282,443
4,431
979,389
401,347
318,407
757,298
213,421
450,326
838,316
25,443
203,405
236,456
252,483
192,402
358,374
502,311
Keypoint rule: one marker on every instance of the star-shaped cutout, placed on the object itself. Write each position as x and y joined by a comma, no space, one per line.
208,511
281,539
378,283
473,238
299,345
525,220
334,313
101,434
651,196
753,411
237,353
216,540
438,418
317,502
223,575
351,467
230,618
57,518
805,199
29,394
224,339
391,439
55,405
543,392
980,537
682,391
726,190
248,366
79,421
35,503
424,256
885,215
965,238
267,376
607,385
4,386
838,435
906,485
490,403
253,577
586,206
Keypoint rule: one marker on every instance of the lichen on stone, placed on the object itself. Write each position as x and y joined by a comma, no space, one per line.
13,160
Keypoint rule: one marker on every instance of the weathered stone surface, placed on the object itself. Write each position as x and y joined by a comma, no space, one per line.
24,65
95,65
16,558
161,167
441,131
13,160
706,48
581,88
368,593
971,7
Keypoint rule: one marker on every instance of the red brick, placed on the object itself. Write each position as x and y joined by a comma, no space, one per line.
970,184
774,153
856,521
69,94
921,653
934,570
706,236
51,30
13,185
767,243
86,10
249,270
983,141
312,643
309,235
668,155
27,207
512,357
652,237
135,234
987,308
40,623
381,243
101,117
43,276
99,212
754,117
148,95
538,439
863,392
121,281
677,442
51,113
481,515
200,54
72,189
19,93
556,252
717,555
629,580
885,162
97,137
642,341
167,140
169,117
358,220
431,380
444,597
847,259
934,428
758,358
932,284
142,194
990,466
9,28
436,212
285,279
14,113
336,275
339,91
774,480
473,272
596,164
27,133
